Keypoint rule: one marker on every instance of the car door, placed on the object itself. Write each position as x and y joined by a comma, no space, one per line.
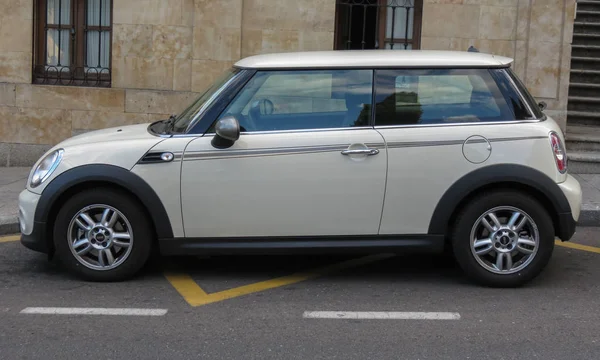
307,163
439,125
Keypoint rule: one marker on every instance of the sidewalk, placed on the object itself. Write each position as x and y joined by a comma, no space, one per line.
12,182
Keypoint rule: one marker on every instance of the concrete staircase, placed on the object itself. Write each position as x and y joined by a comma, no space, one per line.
583,117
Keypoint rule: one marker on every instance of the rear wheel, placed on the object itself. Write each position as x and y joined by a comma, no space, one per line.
102,235
503,239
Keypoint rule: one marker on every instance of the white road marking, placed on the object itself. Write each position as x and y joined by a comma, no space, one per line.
93,311
381,315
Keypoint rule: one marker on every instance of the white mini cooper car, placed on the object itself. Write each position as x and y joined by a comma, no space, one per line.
322,151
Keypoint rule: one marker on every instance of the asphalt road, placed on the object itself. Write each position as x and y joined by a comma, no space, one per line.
555,317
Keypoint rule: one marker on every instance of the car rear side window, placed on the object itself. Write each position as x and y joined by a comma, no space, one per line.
516,100
438,96
304,99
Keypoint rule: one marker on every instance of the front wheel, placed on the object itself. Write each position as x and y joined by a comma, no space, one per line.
102,235
503,239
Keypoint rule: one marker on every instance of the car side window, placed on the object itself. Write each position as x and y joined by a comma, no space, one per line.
438,96
511,93
304,99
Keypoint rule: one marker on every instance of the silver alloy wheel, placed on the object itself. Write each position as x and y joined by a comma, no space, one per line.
100,237
504,240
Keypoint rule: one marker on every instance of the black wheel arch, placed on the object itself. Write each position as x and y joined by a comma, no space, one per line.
94,175
503,176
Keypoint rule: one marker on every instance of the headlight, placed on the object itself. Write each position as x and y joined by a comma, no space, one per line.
46,167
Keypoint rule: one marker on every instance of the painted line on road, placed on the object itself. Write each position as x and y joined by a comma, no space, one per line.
195,296
93,311
572,245
9,238
381,315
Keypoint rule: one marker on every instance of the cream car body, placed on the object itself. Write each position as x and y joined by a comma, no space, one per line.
307,188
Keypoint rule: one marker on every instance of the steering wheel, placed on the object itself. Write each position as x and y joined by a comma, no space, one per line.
258,108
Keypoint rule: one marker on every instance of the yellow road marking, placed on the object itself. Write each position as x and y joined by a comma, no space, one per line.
185,285
195,296
573,245
9,238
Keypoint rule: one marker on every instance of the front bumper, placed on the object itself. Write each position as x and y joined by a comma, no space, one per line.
32,232
36,240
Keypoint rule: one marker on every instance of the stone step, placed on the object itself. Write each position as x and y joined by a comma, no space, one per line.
584,103
585,146
583,162
588,76
584,89
588,15
586,27
586,51
586,38
583,167
583,5
583,118
582,138
585,62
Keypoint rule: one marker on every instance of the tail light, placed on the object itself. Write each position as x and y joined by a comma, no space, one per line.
560,155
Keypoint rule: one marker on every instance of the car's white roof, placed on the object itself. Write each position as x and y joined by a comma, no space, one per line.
373,58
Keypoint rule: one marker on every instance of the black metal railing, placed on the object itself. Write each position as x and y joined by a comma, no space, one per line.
376,24
72,75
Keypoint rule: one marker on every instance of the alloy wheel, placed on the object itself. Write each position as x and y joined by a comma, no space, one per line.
100,237
504,240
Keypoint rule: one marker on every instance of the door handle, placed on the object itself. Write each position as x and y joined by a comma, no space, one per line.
360,152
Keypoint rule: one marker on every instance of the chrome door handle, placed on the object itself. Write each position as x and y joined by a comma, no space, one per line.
361,152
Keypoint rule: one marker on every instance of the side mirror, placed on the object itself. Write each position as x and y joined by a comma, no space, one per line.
542,105
227,132
228,128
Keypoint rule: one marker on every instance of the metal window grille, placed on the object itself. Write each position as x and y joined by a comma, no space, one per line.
73,42
378,24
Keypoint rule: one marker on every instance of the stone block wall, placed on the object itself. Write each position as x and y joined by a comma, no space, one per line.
165,51
536,33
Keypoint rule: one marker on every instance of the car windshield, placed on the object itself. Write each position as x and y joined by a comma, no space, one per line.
183,120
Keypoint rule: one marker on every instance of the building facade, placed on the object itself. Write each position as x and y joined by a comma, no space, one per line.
70,66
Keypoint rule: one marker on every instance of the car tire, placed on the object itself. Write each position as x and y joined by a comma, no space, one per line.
492,266
94,264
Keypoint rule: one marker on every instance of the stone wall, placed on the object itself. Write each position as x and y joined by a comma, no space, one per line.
163,53
536,33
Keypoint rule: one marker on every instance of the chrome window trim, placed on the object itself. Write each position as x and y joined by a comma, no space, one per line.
212,99
201,111
362,128
209,102
263,132
270,132
169,136
506,122
521,96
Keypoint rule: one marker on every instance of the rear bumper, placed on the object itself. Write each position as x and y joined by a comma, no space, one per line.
572,190
567,221
566,226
